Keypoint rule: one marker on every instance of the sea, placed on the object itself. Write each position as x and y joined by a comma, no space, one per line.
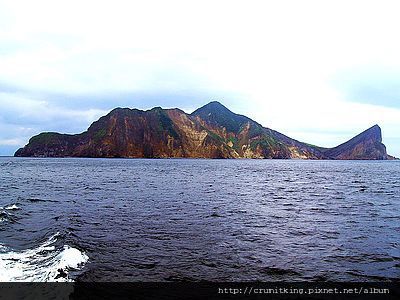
162,220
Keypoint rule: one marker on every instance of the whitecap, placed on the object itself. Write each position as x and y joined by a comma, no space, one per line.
43,263
12,207
3,248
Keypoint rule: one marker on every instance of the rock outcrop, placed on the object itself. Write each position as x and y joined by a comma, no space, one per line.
212,131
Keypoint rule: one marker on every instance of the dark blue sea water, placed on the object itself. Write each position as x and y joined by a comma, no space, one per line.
191,220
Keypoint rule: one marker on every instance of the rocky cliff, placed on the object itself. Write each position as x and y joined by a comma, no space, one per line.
212,131
366,145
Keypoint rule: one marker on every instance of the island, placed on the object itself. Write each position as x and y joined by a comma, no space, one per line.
212,131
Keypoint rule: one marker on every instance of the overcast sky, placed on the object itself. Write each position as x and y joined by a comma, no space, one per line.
318,71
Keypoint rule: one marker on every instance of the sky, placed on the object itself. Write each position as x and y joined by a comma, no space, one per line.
317,71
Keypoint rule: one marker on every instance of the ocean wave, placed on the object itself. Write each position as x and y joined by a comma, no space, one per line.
43,263
7,217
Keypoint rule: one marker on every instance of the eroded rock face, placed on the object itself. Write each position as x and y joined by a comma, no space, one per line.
212,131
366,145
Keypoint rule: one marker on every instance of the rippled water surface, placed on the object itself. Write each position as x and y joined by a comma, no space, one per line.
218,220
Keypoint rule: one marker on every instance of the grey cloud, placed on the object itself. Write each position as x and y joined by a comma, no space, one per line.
370,85
184,97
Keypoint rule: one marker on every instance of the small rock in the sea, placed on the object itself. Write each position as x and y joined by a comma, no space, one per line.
61,274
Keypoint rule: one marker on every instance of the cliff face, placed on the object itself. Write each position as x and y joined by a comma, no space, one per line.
366,145
212,131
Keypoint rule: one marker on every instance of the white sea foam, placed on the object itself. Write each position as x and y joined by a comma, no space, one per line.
43,263
12,207
3,248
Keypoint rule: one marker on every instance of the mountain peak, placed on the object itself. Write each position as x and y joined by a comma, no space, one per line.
215,103
374,132
213,106
216,114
